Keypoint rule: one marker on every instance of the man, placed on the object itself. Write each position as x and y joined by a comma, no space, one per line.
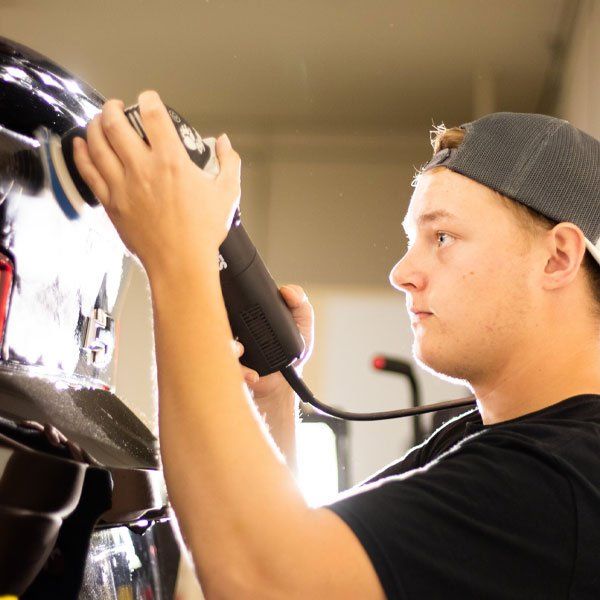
502,503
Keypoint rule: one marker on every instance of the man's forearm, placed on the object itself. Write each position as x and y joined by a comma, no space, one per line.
236,502
280,412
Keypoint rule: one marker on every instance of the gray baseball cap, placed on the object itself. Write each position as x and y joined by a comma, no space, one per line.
542,162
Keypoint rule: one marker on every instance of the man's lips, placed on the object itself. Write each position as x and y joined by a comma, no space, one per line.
416,316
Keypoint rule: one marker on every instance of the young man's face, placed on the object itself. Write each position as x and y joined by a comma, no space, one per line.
469,267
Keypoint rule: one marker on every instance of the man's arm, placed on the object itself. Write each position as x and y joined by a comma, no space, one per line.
250,530
251,533
280,413
276,401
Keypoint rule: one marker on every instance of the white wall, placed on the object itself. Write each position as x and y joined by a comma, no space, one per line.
580,96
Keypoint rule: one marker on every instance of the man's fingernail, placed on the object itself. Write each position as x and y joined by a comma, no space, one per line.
300,296
150,97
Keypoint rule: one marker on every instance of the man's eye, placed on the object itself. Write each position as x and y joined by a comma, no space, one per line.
441,237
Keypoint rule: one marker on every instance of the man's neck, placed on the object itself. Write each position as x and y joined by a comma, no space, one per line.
547,378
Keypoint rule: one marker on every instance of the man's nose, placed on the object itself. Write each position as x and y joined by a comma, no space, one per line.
405,277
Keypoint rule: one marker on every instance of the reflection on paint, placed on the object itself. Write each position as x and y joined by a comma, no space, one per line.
64,269
121,565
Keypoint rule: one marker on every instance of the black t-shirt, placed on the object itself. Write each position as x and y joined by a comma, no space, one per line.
510,510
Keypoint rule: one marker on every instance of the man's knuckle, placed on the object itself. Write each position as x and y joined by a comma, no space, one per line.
94,152
138,172
171,164
109,123
112,208
146,187
111,104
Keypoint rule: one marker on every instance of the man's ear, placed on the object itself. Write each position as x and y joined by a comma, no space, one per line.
565,245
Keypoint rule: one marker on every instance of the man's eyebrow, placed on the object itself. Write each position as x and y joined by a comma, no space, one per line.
430,217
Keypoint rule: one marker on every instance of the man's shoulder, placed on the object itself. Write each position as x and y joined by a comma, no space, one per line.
441,440
449,434
570,425
571,422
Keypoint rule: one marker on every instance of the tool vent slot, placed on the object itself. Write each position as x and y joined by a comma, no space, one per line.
257,323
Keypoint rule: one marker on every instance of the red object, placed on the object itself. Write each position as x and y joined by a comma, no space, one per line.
379,362
6,281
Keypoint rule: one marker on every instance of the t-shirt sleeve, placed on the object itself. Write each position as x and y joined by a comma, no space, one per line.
492,518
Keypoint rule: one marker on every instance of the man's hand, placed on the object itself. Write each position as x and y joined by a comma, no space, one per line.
302,311
165,208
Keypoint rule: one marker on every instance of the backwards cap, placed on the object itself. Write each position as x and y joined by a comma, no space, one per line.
542,162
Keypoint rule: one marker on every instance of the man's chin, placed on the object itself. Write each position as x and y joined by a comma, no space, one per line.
439,364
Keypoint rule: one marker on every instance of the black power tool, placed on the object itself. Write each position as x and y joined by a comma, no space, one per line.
255,308
258,315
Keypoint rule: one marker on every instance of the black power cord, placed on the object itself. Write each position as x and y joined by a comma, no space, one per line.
307,396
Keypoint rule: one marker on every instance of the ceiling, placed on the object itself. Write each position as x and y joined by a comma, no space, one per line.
280,66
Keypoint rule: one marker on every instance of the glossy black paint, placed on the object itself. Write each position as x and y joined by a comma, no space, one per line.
82,496
63,268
